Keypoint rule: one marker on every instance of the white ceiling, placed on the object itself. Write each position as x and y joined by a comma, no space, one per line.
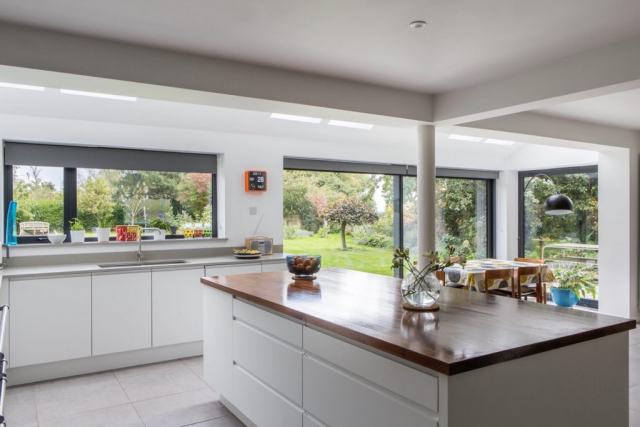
464,43
618,110
144,112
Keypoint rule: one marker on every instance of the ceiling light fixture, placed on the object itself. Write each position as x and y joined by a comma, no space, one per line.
98,95
499,142
353,125
418,24
295,118
465,138
17,86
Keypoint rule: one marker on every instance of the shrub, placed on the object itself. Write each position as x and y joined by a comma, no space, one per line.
290,231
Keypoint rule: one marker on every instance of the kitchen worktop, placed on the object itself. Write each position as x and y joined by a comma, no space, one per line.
471,331
62,269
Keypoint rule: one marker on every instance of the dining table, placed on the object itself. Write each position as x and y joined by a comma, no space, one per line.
471,274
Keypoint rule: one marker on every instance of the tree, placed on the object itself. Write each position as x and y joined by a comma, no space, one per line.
95,201
349,210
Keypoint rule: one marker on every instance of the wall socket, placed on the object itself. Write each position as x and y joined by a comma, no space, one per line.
253,211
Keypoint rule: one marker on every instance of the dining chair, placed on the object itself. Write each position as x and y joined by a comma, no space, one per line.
442,276
529,290
544,284
501,274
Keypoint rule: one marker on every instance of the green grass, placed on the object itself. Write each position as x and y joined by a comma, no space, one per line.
357,257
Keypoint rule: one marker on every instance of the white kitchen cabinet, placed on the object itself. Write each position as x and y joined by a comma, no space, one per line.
341,399
176,306
309,421
50,319
226,270
261,404
274,266
121,314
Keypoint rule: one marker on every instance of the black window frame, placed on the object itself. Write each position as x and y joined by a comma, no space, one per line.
398,172
70,197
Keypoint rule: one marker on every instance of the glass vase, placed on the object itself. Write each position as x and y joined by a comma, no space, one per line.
421,291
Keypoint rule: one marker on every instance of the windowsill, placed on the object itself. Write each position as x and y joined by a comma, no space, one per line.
31,249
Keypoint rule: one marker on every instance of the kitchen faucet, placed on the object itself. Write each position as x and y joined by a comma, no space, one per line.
139,252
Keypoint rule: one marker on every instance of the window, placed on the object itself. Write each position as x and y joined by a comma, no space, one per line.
62,182
463,211
385,212
538,230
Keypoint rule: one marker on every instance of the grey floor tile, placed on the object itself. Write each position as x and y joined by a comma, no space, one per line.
159,384
153,368
229,421
634,418
117,416
20,389
181,409
634,398
77,399
24,425
20,407
195,364
73,385
634,336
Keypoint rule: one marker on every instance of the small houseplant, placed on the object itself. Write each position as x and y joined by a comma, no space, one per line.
103,230
161,225
76,230
573,283
421,288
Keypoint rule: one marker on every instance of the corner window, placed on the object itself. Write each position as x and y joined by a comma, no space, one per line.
39,192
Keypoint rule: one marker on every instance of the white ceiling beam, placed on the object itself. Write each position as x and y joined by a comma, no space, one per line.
207,80
611,69
542,129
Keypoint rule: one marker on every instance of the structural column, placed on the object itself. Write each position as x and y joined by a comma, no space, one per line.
426,191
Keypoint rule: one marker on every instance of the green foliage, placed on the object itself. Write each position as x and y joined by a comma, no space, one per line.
580,278
349,211
367,236
290,230
160,224
76,225
95,205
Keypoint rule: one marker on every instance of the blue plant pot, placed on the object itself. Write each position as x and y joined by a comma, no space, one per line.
564,297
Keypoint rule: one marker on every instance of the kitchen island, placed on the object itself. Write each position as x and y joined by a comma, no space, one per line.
342,352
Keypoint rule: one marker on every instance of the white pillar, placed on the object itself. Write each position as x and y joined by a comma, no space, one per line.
426,191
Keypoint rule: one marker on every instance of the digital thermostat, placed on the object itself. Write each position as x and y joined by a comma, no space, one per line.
255,181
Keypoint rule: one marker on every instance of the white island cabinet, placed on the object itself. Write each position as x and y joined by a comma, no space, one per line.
50,319
121,312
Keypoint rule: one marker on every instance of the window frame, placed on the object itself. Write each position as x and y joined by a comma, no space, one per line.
70,197
398,172
522,177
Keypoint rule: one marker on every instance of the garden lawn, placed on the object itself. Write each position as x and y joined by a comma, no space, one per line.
357,257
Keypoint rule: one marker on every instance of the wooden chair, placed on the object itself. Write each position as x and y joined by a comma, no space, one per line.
536,261
501,274
528,291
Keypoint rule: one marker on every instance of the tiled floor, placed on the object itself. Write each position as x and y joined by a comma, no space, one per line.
169,394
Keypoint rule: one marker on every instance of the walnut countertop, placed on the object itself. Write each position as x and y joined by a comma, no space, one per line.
471,330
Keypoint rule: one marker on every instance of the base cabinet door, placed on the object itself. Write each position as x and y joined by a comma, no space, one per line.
340,399
121,312
50,319
226,270
310,421
176,306
261,404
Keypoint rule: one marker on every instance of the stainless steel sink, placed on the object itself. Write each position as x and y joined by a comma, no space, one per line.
143,263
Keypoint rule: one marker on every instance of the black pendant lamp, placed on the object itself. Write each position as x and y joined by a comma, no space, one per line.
556,204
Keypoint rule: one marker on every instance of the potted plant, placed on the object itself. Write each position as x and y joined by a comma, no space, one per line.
572,283
103,230
421,288
160,225
77,231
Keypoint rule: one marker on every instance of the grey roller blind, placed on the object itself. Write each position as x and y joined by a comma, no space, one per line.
381,168
20,153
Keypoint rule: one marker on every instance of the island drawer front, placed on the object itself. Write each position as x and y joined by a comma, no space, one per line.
340,399
273,324
309,421
412,384
261,404
273,361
